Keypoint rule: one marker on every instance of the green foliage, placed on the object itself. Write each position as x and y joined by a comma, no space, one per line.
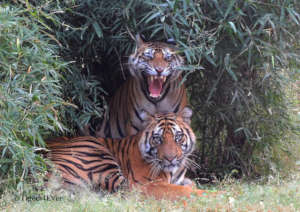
86,96
41,94
30,94
82,90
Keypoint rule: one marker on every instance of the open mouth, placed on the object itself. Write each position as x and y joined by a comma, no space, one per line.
155,85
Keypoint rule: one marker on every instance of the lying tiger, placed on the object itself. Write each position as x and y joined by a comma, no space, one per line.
153,161
154,86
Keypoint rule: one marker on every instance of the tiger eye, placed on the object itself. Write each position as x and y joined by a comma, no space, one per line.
156,140
178,137
148,53
167,55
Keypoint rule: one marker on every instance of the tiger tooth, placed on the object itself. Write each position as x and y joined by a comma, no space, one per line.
164,79
151,78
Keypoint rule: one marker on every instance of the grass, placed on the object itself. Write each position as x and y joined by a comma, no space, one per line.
271,194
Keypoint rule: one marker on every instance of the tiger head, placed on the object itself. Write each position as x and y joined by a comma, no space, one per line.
155,64
167,141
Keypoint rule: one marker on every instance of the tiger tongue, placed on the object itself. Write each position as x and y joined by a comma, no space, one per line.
155,87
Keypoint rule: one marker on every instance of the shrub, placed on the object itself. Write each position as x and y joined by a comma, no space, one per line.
30,94
78,44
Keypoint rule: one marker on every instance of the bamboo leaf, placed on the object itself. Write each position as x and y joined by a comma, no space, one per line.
97,29
232,26
153,16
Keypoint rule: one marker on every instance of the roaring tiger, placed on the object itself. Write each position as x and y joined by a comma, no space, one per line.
154,86
153,161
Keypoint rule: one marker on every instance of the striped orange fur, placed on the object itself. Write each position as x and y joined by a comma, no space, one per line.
154,86
154,160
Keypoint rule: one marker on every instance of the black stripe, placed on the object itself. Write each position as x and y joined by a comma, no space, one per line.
147,178
116,176
95,141
118,148
106,143
146,137
179,175
122,152
68,182
70,170
150,151
178,101
130,172
108,167
119,128
106,181
135,127
169,119
138,115
110,145
90,176
129,143
190,138
125,148
188,132
99,154
161,124
79,166
171,124
86,162
107,130
177,107
74,146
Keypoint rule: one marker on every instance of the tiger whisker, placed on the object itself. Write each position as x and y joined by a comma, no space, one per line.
152,169
155,168
190,163
194,155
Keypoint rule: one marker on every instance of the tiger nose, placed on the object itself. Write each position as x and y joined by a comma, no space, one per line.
171,159
159,69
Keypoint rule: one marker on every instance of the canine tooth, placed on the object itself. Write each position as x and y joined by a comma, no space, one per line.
164,79
151,78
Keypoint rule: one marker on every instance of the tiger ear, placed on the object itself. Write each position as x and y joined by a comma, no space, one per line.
171,41
138,41
145,117
186,114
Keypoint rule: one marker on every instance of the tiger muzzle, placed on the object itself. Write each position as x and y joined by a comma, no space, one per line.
170,164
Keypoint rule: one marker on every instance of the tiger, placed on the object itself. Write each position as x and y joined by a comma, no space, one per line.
153,161
155,86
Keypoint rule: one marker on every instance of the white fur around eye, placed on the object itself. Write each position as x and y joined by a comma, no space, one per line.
148,52
167,54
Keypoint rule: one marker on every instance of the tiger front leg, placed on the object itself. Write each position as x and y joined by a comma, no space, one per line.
170,191
188,182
